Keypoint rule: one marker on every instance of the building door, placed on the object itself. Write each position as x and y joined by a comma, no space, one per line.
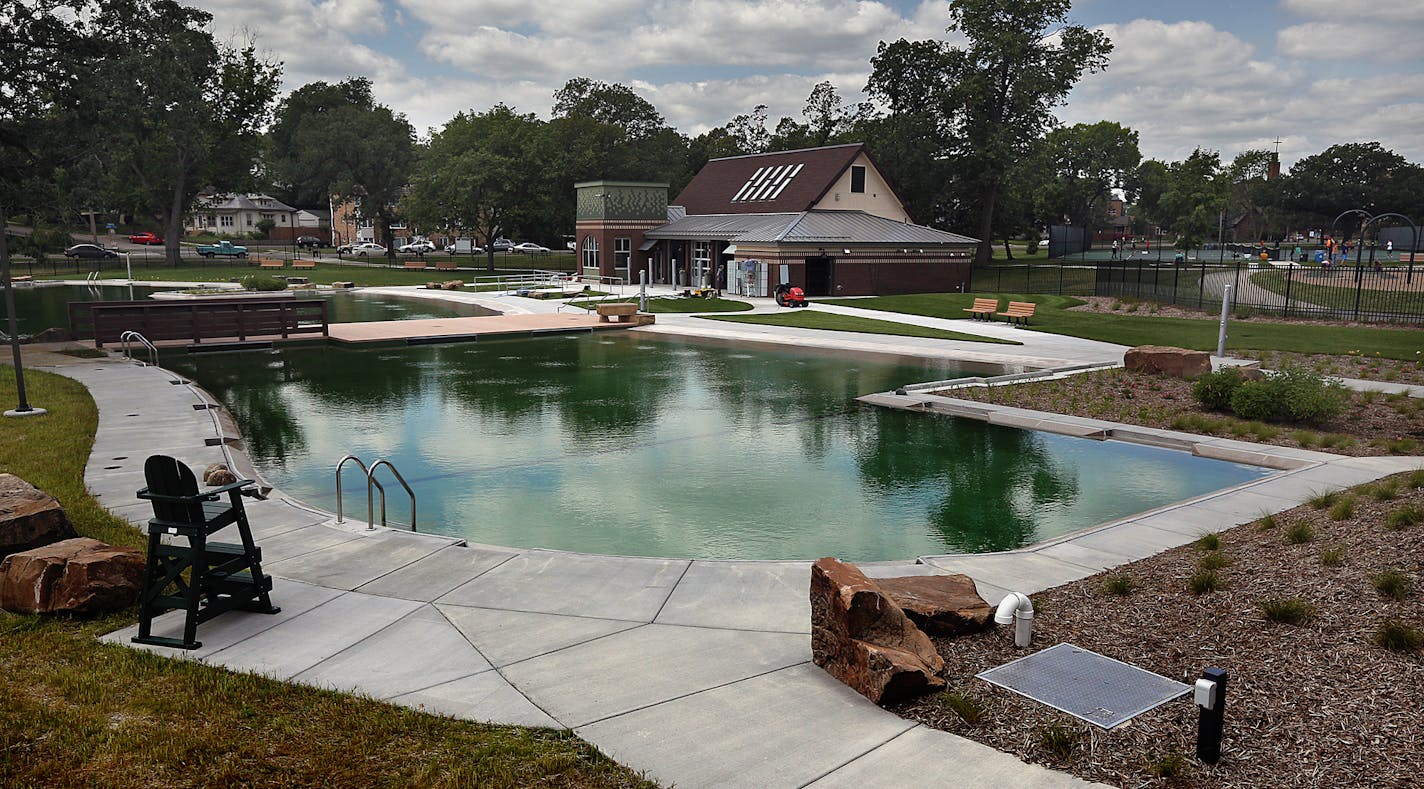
819,276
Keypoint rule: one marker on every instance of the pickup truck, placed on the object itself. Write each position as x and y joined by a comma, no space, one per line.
224,249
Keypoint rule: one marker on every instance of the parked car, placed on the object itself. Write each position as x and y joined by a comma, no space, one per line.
89,251
417,247
530,248
308,242
502,245
366,248
146,237
464,246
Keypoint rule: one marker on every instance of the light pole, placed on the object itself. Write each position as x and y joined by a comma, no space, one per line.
23,408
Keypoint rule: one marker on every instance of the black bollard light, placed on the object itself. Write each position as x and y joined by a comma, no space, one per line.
1210,698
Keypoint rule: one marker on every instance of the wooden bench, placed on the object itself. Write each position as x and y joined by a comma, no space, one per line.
983,308
1019,311
624,311
415,265
445,265
303,264
269,263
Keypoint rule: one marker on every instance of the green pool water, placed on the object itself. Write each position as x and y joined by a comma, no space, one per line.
40,308
620,444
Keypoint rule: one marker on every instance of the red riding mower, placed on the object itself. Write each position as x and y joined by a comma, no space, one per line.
788,295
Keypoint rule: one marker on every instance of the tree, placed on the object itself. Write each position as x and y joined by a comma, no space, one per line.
905,127
609,103
1354,175
1193,201
475,175
182,112
999,90
336,140
1251,198
1079,166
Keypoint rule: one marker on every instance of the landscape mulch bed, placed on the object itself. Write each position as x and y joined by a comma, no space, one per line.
1317,704
1372,423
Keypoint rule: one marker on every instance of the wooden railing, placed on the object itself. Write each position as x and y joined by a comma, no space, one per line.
197,320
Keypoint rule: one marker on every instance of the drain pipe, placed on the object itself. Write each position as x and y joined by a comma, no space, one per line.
1017,606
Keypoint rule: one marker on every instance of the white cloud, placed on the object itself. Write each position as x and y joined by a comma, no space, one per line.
1393,11
1350,40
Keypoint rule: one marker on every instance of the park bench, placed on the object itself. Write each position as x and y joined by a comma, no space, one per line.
269,263
1019,311
623,310
303,264
445,265
983,308
415,265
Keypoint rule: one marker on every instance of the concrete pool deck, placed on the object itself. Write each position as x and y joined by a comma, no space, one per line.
697,672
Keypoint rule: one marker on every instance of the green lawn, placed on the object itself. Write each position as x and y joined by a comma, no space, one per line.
1180,332
1338,291
77,713
827,321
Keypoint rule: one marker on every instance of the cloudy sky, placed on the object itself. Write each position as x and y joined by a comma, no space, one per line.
1221,75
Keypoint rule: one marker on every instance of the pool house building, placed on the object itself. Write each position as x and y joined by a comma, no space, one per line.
824,219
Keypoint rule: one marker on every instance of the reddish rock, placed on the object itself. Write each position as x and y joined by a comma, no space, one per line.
1162,360
29,517
80,576
942,605
861,637
454,284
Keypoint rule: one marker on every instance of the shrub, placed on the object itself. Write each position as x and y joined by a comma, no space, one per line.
1254,400
1214,561
1399,637
1305,438
1322,501
1266,522
1391,584
1209,541
1287,610
1214,390
1293,394
262,282
1119,584
1343,509
1332,557
1385,491
1416,479
1403,518
1170,766
1337,441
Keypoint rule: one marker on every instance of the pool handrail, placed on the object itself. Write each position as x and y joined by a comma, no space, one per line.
371,480
369,483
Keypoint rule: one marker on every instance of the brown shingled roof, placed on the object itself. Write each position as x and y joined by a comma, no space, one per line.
783,182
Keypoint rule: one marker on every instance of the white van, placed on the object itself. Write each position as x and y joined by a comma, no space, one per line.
465,246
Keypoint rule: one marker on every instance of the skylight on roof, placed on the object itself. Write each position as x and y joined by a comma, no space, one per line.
767,183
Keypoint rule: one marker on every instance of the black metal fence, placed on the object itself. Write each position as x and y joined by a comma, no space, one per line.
1388,292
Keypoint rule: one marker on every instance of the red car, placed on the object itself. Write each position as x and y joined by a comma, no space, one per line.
146,238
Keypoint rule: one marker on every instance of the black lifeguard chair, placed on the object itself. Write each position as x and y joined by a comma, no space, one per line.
221,576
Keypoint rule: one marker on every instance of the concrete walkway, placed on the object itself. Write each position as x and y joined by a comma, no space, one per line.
697,672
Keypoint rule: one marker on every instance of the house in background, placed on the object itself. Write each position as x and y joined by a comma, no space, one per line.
350,226
234,215
824,219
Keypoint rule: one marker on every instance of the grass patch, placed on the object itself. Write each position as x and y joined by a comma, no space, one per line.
1300,533
1392,584
1209,542
1266,522
1053,317
969,709
1172,765
78,713
1343,509
827,321
1403,518
1214,561
1204,582
1332,557
1321,501
1119,584
1287,610
1399,636
1058,739
1385,491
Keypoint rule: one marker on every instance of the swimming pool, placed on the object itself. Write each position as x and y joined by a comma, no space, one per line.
636,445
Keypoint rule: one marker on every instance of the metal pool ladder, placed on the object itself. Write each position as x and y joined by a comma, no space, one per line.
373,483
132,336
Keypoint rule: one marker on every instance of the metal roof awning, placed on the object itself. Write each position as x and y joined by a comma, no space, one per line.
730,250
647,245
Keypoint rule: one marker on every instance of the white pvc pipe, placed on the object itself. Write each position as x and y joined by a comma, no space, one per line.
1017,606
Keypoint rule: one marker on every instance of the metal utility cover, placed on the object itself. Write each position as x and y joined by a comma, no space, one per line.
1100,690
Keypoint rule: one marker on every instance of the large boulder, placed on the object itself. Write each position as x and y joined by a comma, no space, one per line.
861,637
80,576
942,605
1163,360
29,517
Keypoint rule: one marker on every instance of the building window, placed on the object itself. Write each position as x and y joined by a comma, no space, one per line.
590,252
248,217
622,252
225,220
857,179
